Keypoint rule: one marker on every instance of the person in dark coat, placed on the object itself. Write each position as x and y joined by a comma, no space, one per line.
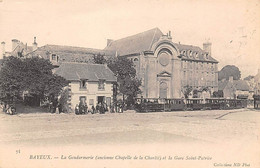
93,109
54,105
102,109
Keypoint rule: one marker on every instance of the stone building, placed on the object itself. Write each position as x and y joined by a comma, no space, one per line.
233,89
257,83
165,67
19,49
59,53
92,83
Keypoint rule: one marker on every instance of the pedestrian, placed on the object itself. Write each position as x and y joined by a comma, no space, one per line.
54,105
98,108
77,109
102,109
93,109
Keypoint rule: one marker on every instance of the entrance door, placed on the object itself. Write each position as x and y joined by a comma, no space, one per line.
163,90
101,99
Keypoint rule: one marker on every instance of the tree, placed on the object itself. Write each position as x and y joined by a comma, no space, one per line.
32,76
218,93
99,59
229,70
195,93
125,72
186,90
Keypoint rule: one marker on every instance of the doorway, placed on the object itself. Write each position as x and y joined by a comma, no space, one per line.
101,99
163,90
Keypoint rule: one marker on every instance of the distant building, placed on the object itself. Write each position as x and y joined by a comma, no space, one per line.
19,49
233,89
257,82
58,54
164,67
92,83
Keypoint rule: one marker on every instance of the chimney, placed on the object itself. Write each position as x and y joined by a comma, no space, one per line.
230,79
35,45
207,47
109,41
15,43
169,35
3,48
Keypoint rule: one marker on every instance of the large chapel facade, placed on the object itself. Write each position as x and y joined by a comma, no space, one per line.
166,68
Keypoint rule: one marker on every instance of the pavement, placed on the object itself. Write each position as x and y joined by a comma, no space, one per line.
185,131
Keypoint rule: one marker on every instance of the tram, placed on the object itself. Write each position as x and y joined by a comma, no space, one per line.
157,105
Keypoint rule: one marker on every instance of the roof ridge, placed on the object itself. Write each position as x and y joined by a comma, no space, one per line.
156,28
82,63
153,38
48,45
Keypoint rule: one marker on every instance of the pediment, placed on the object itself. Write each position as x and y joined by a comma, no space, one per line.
164,74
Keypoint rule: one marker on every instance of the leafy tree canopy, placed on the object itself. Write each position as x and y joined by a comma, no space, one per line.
99,59
186,90
229,70
31,75
125,72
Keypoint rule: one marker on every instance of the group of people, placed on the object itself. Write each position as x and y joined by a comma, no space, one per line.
82,108
54,105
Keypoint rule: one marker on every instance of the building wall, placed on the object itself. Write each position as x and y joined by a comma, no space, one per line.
197,74
91,92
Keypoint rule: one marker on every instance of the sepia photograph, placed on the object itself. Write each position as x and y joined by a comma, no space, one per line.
138,84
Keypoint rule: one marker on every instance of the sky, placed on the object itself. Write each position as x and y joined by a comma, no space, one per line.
232,26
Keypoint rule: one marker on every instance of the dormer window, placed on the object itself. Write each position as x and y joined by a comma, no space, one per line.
184,52
197,55
83,84
190,53
53,57
101,85
207,56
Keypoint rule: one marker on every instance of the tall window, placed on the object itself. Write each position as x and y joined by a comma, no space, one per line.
53,56
101,84
83,84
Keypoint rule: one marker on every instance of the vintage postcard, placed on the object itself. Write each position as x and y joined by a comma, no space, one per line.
138,84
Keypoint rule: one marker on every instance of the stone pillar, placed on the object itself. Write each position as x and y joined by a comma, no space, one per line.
176,78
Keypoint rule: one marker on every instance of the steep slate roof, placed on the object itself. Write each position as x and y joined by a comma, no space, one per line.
144,41
92,72
195,50
257,77
241,85
222,85
238,84
136,43
70,53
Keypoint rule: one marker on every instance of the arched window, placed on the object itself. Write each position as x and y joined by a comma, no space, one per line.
197,55
136,59
184,52
190,53
206,56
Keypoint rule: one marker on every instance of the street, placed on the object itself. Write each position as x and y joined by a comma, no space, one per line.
196,130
